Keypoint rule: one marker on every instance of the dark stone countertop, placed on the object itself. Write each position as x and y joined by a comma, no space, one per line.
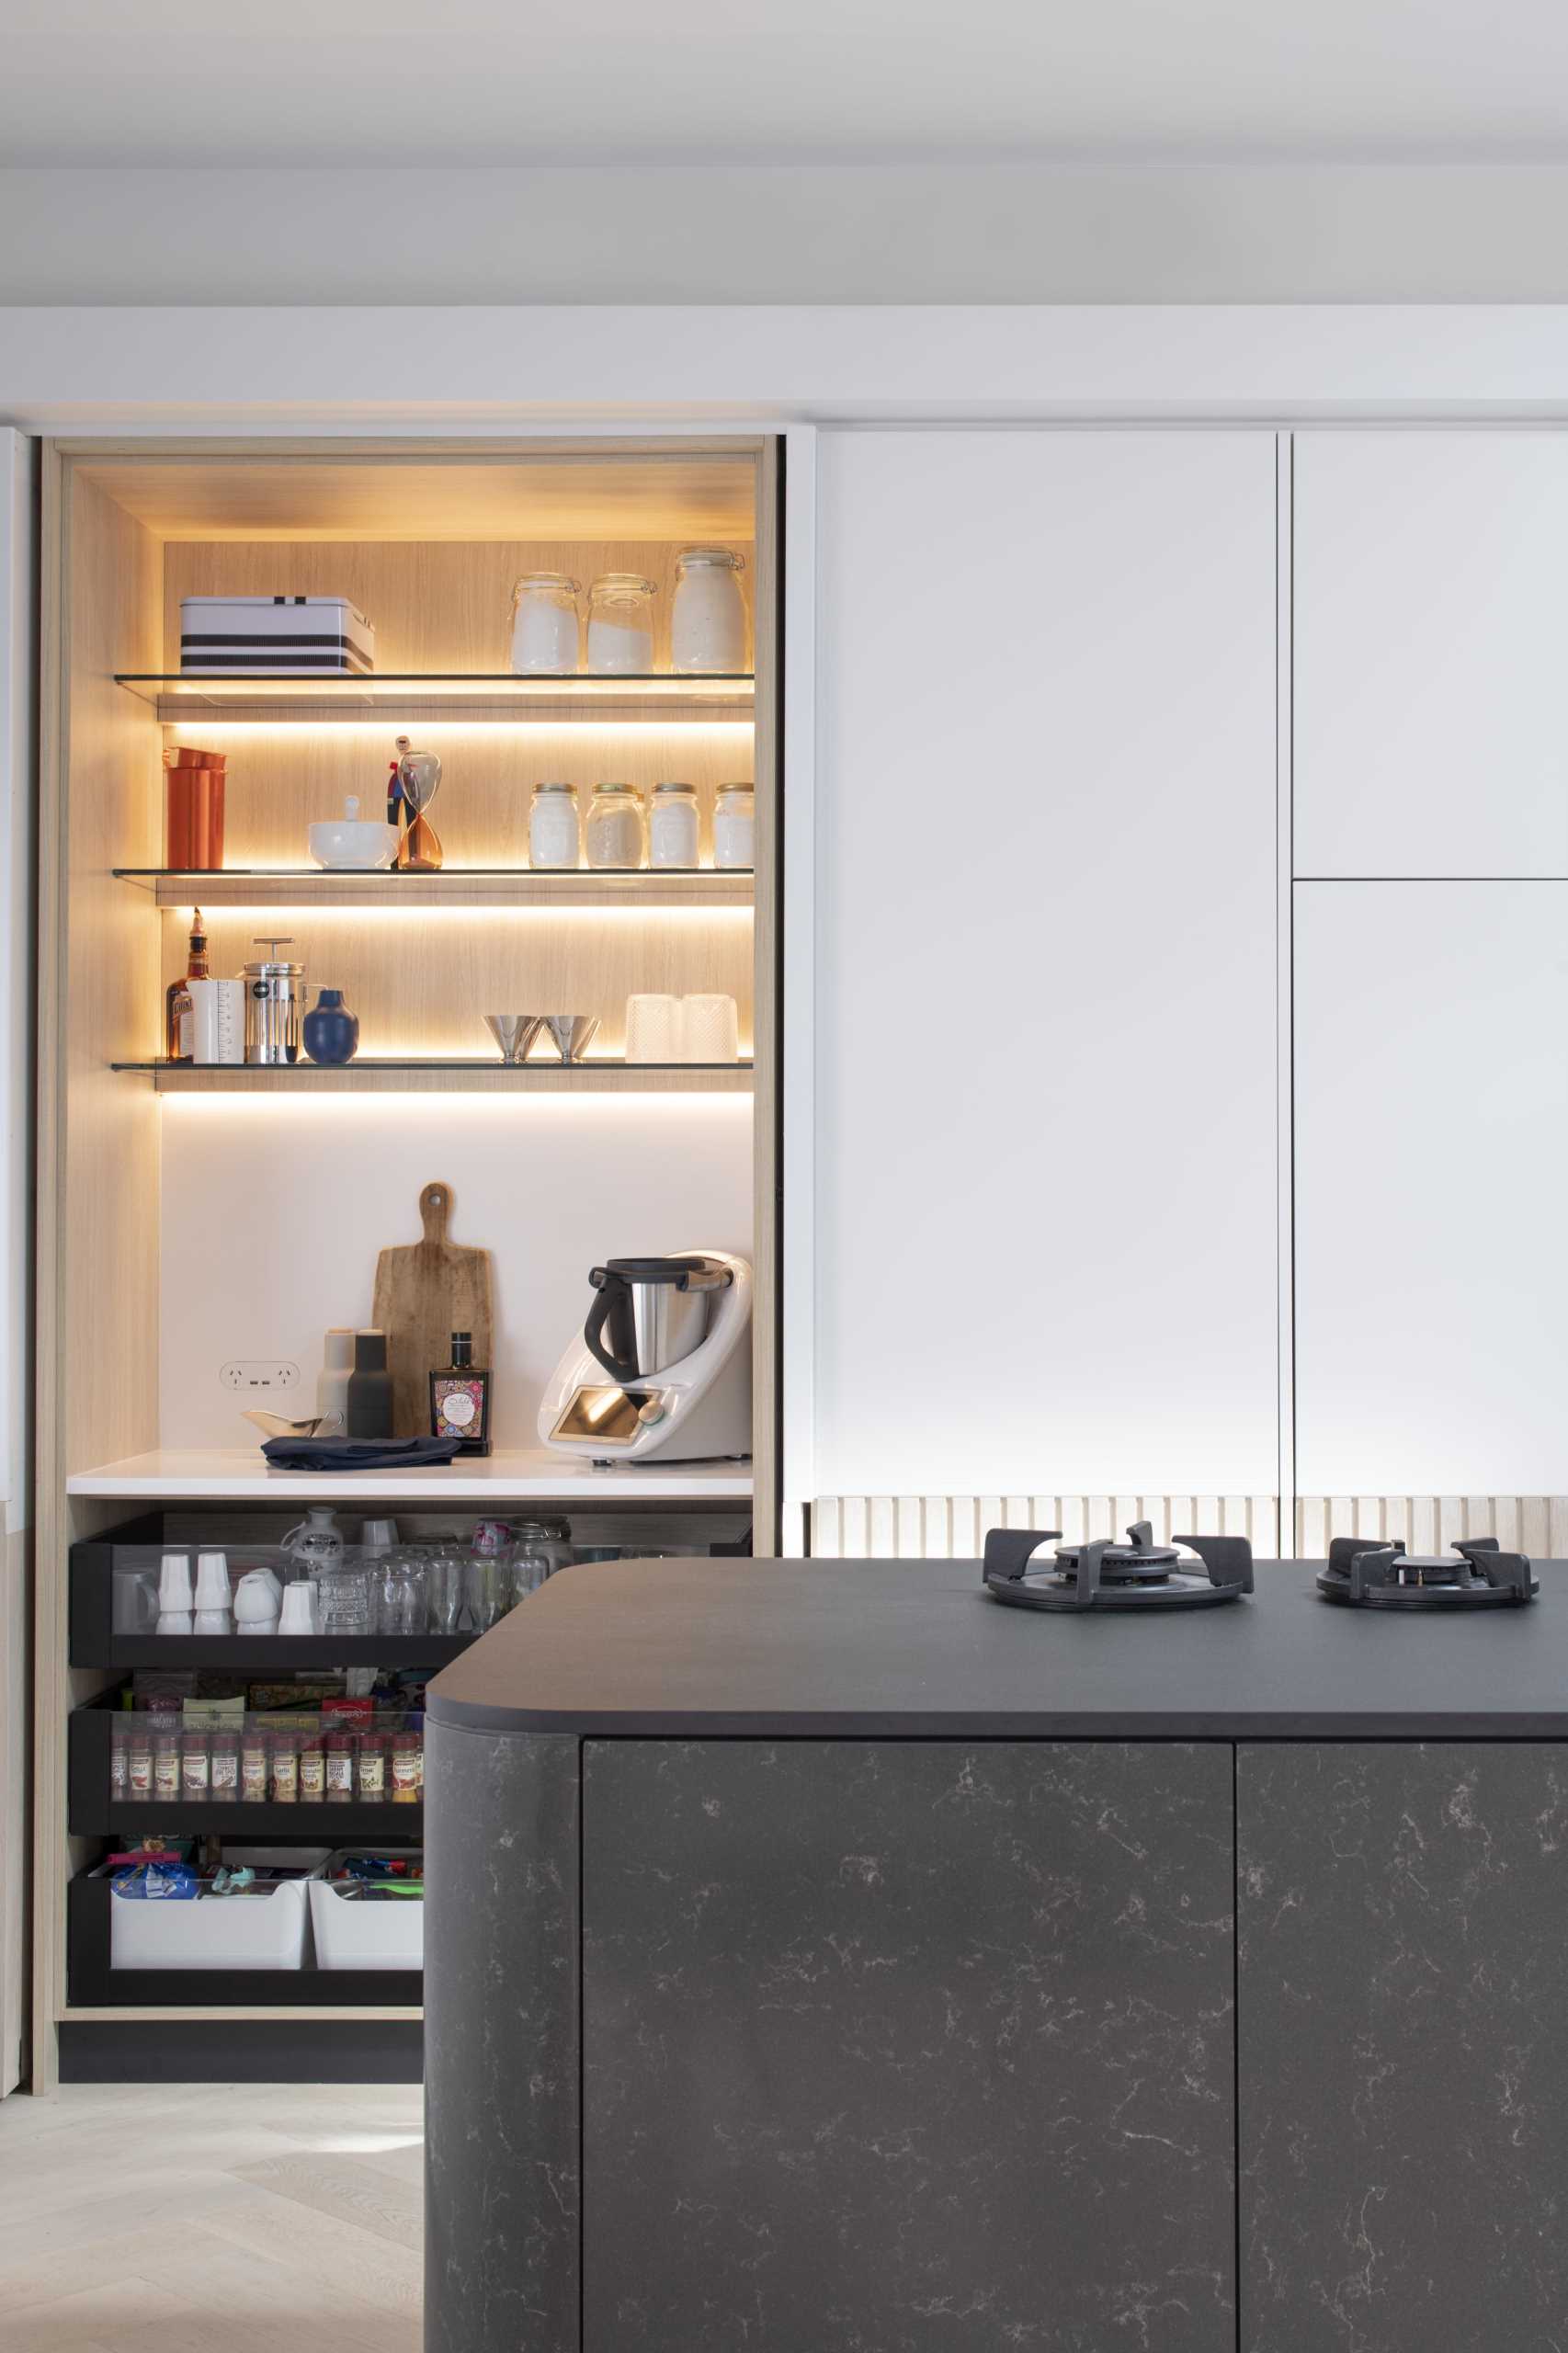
846,1649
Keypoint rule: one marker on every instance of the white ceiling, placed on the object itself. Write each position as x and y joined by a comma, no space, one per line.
411,82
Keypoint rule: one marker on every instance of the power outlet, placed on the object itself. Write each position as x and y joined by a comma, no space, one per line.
262,1372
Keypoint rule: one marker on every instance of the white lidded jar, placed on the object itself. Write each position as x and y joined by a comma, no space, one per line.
555,827
544,625
621,625
735,826
707,613
672,826
614,830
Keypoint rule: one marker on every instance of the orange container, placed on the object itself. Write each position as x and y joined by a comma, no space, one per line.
195,827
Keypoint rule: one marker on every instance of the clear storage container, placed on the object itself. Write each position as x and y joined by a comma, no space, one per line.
621,625
544,625
707,613
555,827
672,826
615,831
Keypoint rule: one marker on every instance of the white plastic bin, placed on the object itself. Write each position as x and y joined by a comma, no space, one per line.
352,1934
257,1931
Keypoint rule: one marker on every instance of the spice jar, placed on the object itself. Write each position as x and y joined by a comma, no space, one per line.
614,828
555,827
119,1763
339,1752
672,826
544,625
708,612
195,1767
407,1768
735,826
372,1769
139,1764
312,1769
225,1766
621,626
252,1766
284,1784
165,1767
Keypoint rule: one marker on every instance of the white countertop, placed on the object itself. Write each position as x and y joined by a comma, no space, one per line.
242,1475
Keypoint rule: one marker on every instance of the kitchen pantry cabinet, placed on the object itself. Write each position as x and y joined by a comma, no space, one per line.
1430,612
1045,1093
1431,1127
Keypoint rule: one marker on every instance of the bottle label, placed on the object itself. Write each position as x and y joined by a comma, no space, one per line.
340,1774
225,1772
457,1407
372,1777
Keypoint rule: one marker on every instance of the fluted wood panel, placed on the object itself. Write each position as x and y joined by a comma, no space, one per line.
952,1527
1533,1524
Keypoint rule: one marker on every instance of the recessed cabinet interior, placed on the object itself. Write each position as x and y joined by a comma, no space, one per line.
1431,1127
1426,652
196,1215
1045,946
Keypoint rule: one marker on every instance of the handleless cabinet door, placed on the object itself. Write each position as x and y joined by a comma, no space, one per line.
1431,1077
1402,2046
913,2046
1430,619
1045,1202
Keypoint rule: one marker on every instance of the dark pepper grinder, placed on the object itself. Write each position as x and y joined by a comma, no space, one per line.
370,1388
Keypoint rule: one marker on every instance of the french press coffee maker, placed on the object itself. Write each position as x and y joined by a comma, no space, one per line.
275,1005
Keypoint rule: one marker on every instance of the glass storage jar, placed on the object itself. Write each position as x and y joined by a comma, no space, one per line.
544,625
555,827
707,613
621,625
615,834
672,826
735,826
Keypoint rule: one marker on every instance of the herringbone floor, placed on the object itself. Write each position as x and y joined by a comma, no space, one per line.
211,2219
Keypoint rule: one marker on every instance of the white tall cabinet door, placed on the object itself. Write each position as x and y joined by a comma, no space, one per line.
1430,624
1431,1121
1045,1095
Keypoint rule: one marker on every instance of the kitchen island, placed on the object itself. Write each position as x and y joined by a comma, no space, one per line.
822,1956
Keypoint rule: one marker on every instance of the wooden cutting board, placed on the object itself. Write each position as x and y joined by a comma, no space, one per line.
425,1291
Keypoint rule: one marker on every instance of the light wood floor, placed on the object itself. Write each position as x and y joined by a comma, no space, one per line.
211,2219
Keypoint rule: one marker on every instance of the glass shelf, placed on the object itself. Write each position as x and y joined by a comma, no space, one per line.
473,886
446,1074
431,695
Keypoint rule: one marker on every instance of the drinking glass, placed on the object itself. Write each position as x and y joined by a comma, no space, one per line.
489,1591
445,1586
401,1601
529,1565
343,1599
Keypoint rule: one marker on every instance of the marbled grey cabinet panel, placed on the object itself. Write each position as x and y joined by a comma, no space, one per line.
502,2050
892,2046
1404,2048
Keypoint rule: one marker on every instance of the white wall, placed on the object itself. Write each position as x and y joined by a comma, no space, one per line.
274,1211
951,231
17,652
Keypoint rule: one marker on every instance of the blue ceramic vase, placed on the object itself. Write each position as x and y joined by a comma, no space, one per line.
332,1032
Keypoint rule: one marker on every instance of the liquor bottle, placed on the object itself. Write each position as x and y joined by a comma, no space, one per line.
459,1399
180,1025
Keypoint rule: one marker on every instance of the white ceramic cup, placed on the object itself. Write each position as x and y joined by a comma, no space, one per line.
652,1030
211,1622
212,1581
218,1020
298,1614
174,1622
173,1583
257,1599
709,1029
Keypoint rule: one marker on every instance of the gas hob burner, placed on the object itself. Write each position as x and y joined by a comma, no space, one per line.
1385,1576
1139,1574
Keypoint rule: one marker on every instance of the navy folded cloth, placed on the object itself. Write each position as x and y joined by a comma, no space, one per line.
357,1454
